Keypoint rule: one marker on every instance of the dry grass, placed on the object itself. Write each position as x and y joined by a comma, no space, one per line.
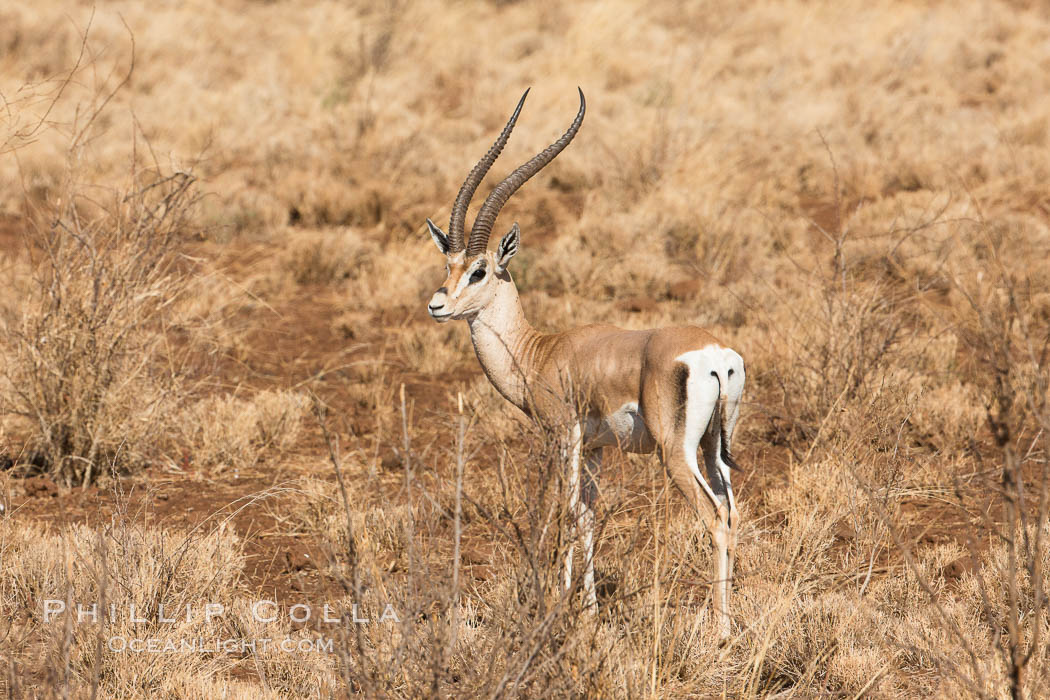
853,196
223,432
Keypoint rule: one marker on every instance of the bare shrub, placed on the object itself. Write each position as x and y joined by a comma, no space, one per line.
87,365
1011,343
856,337
840,357
1003,576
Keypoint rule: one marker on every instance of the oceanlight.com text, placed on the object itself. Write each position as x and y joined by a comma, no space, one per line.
155,645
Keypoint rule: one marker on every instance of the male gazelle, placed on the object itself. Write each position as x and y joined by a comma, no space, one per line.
668,390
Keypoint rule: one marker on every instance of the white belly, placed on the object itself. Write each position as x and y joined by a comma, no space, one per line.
625,428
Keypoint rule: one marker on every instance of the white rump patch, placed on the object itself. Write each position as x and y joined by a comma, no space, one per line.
708,380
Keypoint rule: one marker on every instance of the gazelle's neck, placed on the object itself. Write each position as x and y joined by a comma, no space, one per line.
504,343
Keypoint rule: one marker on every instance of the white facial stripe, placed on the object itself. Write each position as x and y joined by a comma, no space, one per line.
464,280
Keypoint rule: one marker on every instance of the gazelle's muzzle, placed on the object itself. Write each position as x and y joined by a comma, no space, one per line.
436,307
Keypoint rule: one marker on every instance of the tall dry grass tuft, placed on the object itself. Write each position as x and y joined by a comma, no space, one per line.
228,432
88,366
116,583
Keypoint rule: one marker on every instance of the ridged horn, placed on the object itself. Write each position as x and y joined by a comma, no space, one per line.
466,192
482,229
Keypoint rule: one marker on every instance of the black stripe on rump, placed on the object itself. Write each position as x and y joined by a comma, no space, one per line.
681,379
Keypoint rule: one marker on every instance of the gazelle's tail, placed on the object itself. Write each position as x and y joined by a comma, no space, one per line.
718,422
726,456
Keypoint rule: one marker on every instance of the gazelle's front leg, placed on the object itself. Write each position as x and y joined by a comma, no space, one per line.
574,448
582,513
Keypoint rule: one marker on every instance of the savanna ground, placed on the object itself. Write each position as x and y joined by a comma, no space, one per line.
220,385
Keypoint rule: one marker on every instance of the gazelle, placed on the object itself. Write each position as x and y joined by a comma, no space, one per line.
668,390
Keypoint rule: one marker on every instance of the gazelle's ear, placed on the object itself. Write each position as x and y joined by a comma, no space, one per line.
508,246
440,239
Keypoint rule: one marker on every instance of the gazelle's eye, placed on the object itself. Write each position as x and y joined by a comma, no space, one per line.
477,275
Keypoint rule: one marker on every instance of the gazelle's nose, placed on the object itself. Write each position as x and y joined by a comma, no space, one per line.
438,300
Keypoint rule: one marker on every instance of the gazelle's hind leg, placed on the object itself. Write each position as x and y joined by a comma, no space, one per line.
697,408
733,392
698,492
726,520
588,496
